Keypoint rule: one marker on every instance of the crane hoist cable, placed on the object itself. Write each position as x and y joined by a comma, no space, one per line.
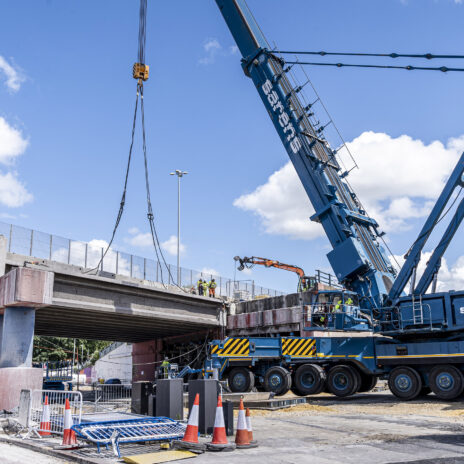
140,72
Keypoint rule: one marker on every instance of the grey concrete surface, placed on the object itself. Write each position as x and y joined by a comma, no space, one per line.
368,428
11,454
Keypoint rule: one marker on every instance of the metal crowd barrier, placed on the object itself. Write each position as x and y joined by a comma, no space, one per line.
113,396
130,431
56,404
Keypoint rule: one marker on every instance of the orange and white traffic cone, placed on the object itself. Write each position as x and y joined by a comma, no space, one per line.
250,428
242,439
190,440
219,441
69,436
45,426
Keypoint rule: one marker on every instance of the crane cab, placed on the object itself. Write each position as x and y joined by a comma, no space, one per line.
336,310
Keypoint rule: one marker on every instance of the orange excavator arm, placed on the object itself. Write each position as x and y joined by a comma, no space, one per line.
248,262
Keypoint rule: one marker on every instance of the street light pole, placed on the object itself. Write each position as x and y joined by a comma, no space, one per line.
179,174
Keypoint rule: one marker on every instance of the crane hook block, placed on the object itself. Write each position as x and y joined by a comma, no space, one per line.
140,71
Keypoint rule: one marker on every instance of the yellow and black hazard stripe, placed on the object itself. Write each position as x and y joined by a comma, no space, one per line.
233,347
298,347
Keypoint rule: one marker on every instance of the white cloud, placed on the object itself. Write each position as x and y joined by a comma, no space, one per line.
449,277
13,193
170,245
211,47
233,49
14,77
139,239
12,142
398,180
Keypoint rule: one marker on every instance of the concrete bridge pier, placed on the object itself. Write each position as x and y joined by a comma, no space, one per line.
22,292
17,338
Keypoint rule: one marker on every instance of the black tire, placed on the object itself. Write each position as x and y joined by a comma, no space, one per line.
405,383
241,380
446,381
343,380
309,379
277,380
368,382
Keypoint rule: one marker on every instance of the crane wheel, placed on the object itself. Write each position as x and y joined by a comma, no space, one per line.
405,383
446,381
309,379
278,380
368,382
241,380
343,380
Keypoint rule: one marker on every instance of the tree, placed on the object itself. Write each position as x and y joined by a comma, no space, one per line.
61,349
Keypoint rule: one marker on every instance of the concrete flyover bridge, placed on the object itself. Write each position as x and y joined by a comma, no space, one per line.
50,298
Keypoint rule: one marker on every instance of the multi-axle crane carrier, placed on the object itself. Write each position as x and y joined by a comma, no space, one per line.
415,339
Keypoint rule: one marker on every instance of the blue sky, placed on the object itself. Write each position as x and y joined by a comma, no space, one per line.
66,103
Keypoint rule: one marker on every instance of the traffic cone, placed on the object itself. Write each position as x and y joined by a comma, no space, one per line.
190,440
219,441
45,425
69,436
242,439
250,429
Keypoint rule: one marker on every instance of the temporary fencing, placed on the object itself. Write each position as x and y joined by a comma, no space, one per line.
40,245
113,396
56,407
130,431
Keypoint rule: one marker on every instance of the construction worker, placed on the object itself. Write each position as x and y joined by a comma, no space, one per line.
349,301
338,306
165,367
204,287
200,287
212,288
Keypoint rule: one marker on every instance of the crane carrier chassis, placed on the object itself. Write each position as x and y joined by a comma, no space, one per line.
342,365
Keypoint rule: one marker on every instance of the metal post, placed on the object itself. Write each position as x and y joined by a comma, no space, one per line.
32,242
131,265
144,268
11,235
117,262
51,246
179,174
178,230
86,254
102,255
69,251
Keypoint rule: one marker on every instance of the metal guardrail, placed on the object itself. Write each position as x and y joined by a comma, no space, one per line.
42,245
56,404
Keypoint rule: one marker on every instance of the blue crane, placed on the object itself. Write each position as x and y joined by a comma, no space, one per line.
357,258
418,339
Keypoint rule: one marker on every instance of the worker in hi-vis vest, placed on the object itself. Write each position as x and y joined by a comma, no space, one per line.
200,287
338,306
204,287
212,288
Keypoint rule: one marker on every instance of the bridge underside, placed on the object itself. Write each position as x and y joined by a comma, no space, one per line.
89,324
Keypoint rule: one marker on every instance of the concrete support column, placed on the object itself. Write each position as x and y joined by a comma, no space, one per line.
18,337
1,333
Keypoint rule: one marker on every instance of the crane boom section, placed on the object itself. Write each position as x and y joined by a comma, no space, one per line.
414,253
357,258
